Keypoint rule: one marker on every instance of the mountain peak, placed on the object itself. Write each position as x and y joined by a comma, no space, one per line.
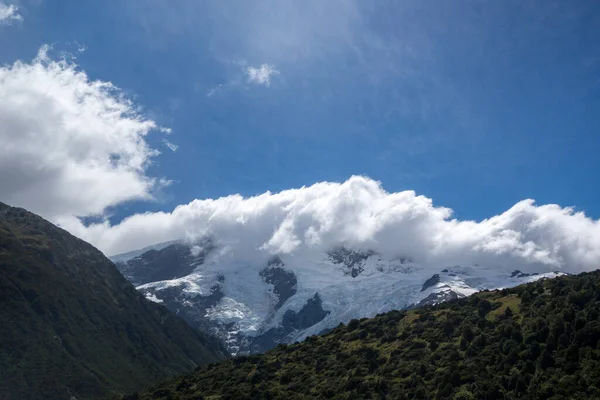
248,303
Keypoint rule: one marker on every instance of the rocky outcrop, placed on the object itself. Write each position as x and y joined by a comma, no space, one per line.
174,261
352,260
518,274
311,313
438,297
434,280
190,309
284,282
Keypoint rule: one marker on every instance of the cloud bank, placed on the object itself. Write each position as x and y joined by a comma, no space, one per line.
72,147
359,212
69,146
9,13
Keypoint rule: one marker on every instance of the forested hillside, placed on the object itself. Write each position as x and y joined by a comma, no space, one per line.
72,327
536,341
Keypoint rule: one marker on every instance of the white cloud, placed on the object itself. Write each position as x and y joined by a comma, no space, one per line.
9,13
359,212
69,145
247,75
214,90
173,147
261,75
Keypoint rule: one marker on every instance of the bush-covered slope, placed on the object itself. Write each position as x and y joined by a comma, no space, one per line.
536,341
71,324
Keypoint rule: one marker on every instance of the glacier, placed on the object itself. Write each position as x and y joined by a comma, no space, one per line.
254,304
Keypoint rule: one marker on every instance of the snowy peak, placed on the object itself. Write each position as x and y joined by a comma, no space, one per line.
253,305
159,263
123,257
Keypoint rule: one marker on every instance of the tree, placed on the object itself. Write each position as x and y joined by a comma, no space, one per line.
546,360
463,394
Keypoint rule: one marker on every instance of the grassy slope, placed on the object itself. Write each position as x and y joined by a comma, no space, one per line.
71,325
537,341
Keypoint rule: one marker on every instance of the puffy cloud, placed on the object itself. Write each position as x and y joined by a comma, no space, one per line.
360,213
9,13
69,145
261,75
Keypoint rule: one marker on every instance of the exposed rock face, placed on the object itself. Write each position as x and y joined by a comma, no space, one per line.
191,309
310,314
518,274
284,282
434,280
439,297
172,262
353,260
72,325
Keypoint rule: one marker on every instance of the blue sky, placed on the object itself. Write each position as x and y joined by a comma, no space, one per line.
475,104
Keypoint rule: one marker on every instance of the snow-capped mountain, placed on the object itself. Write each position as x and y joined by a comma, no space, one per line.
253,305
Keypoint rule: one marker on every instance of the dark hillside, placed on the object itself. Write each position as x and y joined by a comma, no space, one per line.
536,341
71,324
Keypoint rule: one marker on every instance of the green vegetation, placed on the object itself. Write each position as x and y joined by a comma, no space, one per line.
73,327
536,341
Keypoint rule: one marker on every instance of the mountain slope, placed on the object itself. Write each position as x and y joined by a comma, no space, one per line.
72,325
253,304
535,341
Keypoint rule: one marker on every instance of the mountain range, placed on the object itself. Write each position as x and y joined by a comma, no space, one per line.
253,304
77,326
537,341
